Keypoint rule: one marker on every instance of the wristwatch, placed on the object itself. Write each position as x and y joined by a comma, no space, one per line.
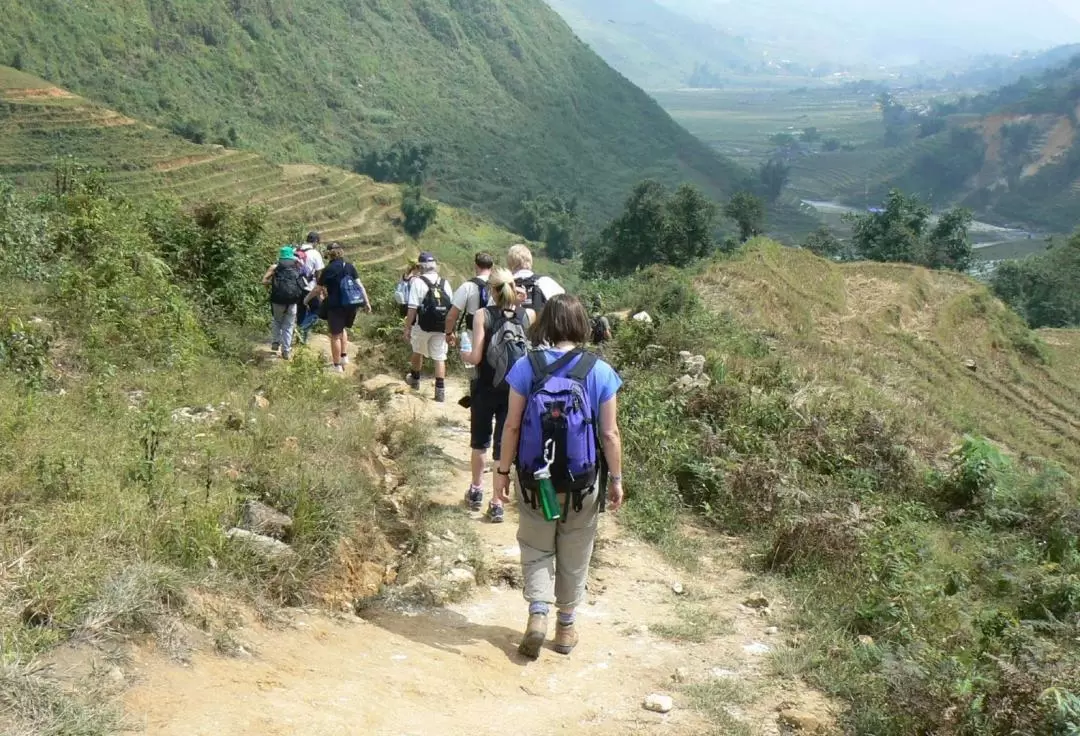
500,472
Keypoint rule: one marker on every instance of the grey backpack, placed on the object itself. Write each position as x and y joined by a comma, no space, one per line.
507,343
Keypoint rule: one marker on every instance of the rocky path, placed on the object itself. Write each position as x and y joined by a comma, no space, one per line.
454,671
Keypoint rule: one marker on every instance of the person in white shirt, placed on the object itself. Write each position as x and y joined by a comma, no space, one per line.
425,324
313,266
538,289
470,298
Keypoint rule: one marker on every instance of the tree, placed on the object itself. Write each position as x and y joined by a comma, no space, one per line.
748,212
901,232
654,228
773,177
810,135
419,211
553,220
831,144
824,243
894,115
403,163
1044,289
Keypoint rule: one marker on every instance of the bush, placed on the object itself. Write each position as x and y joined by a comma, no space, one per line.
419,211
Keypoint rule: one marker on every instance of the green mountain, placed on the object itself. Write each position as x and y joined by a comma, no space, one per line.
655,47
511,102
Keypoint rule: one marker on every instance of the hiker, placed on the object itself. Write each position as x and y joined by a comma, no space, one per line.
601,325
425,323
470,298
401,291
286,284
499,340
538,289
312,264
343,295
562,418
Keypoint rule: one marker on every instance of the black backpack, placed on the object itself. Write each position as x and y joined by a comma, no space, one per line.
466,320
600,329
435,307
287,284
534,295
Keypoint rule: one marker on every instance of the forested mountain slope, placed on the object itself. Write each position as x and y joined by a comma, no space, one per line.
510,100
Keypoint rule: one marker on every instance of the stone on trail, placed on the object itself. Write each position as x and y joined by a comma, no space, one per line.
866,641
772,631
677,588
259,518
680,675
692,365
258,401
801,721
658,703
266,546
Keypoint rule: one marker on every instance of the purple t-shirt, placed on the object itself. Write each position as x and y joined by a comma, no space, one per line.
601,386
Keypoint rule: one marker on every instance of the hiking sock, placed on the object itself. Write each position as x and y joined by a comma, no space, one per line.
415,375
439,382
566,619
539,608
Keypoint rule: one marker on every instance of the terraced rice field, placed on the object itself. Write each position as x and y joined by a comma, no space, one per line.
41,124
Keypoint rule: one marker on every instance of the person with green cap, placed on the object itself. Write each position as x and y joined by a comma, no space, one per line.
286,281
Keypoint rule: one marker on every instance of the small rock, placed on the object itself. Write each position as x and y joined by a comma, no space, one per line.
772,631
677,588
449,536
258,401
643,317
694,365
267,546
756,647
757,600
116,676
259,518
658,703
866,641
798,720
720,673
680,675
461,576
971,365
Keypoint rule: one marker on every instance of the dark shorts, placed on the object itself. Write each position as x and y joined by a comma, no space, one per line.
340,318
487,408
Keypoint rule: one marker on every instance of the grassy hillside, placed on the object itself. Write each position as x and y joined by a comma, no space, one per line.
511,100
898,452
45,129
654,46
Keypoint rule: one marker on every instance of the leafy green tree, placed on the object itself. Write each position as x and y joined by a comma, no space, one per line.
773,176
1044,289
419,211
903,232
824,243
810,135
895,116
402,163
553,220
748,212
654,228
831,144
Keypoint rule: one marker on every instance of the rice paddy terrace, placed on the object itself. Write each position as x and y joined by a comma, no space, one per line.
41,124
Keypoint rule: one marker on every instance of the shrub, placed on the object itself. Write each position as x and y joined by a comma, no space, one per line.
419,211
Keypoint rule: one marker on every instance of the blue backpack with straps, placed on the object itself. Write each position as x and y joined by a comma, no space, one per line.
560,429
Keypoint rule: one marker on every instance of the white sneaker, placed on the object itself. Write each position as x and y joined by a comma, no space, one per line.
337,369
344,359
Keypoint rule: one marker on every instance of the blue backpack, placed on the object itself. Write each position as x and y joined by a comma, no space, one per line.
560,429
350,293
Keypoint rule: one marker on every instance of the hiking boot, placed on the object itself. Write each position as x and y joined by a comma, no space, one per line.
275,346
286,356
413,383
474,497
535,633
440,395
495,513
566,638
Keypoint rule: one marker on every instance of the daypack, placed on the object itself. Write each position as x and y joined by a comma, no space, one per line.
534,295
287,284
506,344
350,292
560,426
435,307
401,296
483,299
600,329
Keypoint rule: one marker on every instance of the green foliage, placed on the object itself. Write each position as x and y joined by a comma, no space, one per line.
553,221
904,232
773,177
401,164
748,212
1044,289
23,241
419,211
24,351
655,228
509,99
822,242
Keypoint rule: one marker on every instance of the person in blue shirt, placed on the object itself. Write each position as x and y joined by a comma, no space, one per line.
555,555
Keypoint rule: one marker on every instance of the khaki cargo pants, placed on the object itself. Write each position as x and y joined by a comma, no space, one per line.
555,554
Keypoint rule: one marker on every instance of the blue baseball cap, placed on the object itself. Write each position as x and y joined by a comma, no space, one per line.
426,257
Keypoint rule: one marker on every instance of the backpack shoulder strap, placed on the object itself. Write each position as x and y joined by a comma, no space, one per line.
542,369
521,316
584,366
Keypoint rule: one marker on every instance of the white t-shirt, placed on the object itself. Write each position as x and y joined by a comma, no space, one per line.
313,265
467,298
418,288
548,286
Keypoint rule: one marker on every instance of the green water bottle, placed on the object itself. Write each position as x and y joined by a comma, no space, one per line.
549,500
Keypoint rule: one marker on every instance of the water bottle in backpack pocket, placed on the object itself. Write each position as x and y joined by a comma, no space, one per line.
559,429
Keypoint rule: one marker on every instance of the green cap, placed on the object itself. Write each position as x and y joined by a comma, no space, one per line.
287,253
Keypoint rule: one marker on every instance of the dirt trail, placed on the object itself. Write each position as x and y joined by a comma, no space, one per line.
456,672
